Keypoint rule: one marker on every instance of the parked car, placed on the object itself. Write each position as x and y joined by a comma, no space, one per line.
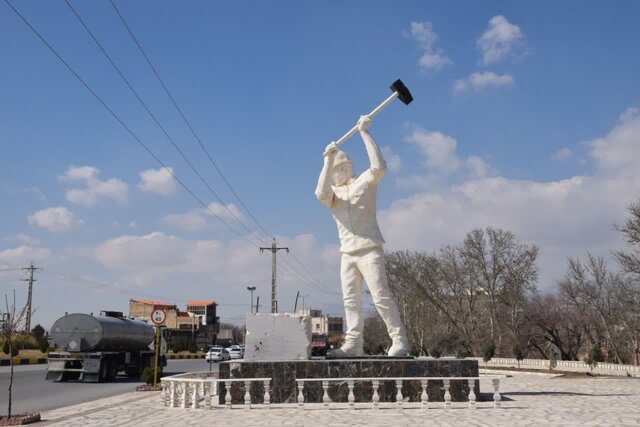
217,354
236,352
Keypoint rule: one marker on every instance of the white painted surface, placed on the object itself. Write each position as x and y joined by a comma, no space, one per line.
279,336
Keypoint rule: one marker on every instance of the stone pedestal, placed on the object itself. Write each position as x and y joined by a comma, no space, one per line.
284,373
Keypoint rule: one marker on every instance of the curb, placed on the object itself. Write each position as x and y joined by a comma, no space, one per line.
24,361
185,356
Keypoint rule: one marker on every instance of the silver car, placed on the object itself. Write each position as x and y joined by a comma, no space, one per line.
217,354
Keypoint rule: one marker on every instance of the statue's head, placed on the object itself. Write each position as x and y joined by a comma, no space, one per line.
342,168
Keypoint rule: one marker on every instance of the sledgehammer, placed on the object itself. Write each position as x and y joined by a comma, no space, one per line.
399,90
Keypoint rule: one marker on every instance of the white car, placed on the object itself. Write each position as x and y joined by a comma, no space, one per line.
217,354
236,352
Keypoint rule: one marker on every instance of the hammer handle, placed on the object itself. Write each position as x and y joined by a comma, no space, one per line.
372,114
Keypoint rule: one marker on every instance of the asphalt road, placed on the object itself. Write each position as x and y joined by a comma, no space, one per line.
32,393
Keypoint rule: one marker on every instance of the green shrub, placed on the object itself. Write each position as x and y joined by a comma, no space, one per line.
191,347
44,345
463,351
488,351
147,374
14,351
435,351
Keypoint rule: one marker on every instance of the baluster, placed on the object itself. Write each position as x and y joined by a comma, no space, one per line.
300,386
194,395
267,396
172,394
325,395
201,384
447,395
208,395
247,393
424,397
227,397
496,393
399,393
376,397
183,393
351,398
472,394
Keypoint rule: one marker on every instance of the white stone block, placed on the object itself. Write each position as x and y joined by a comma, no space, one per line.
277,336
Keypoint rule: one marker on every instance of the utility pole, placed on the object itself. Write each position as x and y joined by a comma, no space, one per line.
274,249
30,269
251,289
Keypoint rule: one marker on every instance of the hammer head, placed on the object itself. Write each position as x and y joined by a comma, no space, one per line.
403,93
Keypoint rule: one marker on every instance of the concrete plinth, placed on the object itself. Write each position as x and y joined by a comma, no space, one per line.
284,373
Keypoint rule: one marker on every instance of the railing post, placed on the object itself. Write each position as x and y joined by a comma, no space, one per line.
300,386
172,395
247,393
424,397
267,396
447,395
194,395
376,397
472,394
325,395
183,389
209,395
496,393
399,393
351,398
227,396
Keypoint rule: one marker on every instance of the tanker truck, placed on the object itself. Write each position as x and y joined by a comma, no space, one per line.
97,348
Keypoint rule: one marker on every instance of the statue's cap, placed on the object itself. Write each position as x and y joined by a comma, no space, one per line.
341,157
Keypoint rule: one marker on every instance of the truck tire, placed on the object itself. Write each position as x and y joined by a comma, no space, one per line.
105,371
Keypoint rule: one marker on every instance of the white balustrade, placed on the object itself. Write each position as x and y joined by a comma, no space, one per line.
399,401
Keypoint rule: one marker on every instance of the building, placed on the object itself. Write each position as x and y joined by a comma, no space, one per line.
323,324
205,312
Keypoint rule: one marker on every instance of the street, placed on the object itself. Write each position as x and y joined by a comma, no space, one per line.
32,393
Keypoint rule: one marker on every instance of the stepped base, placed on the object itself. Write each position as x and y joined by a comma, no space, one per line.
284,374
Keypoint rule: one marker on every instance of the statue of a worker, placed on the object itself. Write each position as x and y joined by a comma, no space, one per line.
353,203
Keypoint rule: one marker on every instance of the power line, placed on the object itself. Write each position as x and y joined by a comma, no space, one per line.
153,116
119,120
139,141
184,118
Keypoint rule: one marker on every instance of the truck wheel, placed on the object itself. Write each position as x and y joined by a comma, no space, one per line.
104,371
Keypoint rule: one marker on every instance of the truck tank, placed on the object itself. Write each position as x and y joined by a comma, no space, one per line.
83,332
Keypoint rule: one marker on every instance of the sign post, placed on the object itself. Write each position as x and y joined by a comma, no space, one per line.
157,317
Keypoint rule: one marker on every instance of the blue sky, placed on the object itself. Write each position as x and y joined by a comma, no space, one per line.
525,118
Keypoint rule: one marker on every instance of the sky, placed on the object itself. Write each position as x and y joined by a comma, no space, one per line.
526,118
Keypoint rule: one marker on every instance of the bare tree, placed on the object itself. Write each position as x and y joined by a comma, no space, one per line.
630,261
593,290
503,269
12,325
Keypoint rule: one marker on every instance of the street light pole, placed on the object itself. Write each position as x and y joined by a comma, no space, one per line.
251,289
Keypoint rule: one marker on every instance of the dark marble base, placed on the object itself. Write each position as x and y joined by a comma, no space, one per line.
284,373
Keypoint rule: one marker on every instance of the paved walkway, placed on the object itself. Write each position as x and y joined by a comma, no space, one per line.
528,399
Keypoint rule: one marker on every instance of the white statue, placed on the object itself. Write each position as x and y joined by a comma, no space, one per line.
353,203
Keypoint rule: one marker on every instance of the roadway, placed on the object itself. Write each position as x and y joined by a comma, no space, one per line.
32,393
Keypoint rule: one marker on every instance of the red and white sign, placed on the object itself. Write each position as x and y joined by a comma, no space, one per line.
158,316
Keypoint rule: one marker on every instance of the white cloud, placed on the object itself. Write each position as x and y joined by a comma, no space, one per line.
482,80
424,36
438,149
24,254
200,219
393,160
618,153
499,40
95,189
59,219
27,240
565,218
159,181
562,154
195,269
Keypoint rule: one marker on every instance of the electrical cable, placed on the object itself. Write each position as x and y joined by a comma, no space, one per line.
184,118
119,120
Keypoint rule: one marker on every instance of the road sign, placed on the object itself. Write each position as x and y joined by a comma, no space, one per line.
158,316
